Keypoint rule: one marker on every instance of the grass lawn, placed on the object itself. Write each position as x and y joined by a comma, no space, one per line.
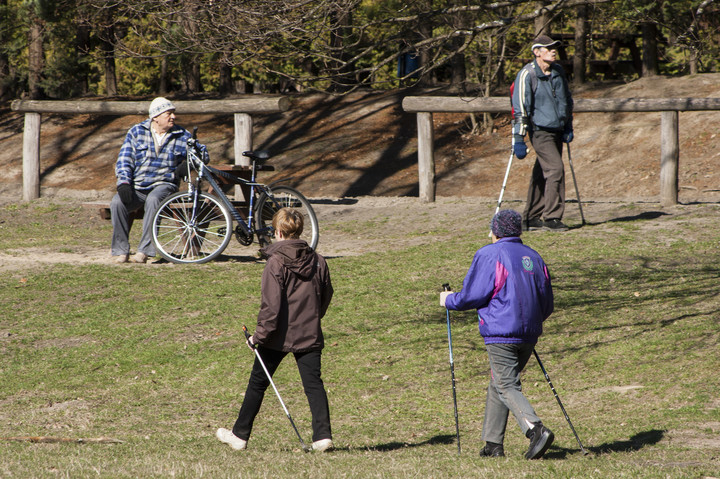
154,357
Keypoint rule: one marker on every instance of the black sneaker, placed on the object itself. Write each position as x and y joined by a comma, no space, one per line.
533,224
540,440
492,449
555,225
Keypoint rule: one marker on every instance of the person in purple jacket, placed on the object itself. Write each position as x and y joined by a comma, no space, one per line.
509,285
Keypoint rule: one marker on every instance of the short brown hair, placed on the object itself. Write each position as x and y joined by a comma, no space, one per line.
289,222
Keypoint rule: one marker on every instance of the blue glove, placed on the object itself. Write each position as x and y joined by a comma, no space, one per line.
520,149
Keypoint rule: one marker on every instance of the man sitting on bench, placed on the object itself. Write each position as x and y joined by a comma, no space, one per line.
145,172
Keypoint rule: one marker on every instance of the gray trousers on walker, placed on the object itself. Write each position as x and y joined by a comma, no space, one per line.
120,218
504,394
546,191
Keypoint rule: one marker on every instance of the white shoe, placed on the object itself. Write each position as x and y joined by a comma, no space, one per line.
227,436
323,445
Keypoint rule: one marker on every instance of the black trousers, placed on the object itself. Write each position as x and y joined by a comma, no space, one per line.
546,192
308,364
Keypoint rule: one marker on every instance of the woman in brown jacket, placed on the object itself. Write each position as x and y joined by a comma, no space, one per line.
296,291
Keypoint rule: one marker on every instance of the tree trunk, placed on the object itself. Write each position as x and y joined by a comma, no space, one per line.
36,57
542,22
108,48
193,83
225,83
342,19
82,48
163,87
4,61
650,51
580,56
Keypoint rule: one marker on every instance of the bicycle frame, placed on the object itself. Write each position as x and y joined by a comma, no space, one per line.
207,173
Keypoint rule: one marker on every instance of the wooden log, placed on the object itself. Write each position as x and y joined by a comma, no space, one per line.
669,158
31,157
435,104
426,160
253,104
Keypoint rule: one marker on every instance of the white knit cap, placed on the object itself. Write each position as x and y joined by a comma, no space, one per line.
160,105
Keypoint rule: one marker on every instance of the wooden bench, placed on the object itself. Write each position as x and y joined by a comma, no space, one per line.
103,207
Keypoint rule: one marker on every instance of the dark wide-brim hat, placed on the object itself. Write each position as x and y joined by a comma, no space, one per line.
545,41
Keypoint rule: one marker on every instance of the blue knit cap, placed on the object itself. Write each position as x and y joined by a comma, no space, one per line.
506,223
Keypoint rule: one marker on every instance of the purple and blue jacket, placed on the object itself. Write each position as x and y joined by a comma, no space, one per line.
509,285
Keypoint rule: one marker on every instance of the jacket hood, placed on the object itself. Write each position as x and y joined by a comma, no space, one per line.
295,255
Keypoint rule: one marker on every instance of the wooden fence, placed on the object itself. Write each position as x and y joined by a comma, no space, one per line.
669,109
240,108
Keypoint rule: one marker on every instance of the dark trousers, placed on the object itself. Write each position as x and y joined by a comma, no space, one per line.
546,192
308,364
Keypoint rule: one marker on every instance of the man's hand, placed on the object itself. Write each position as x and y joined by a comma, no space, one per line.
126,193
251,343
443,297
520,149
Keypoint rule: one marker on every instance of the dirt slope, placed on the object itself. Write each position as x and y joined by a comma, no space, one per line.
364,144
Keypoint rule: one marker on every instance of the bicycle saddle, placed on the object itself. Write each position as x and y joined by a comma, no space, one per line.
257,155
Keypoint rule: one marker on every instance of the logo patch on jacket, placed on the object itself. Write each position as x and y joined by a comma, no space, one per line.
527,264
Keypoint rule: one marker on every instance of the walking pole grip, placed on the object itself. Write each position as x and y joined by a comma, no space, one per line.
247,336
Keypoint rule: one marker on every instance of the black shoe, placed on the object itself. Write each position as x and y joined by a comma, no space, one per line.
540,440
555,225
533,224
492,449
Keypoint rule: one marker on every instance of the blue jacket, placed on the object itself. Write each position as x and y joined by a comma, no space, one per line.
509,285
139,165
547,104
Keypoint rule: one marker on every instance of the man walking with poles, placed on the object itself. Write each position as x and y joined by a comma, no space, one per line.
542,107
509,285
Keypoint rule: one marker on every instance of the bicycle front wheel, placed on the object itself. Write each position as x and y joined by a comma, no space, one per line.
281,197
191,228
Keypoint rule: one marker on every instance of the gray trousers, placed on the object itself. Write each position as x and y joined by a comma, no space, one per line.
120,218
546,192
504,394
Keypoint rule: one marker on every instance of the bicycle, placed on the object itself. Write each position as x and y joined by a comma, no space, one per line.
195,227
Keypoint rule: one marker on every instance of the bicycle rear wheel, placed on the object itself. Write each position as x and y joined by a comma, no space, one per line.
191,228
281,197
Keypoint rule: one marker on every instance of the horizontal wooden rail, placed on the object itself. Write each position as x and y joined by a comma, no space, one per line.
425,106
210,107
241,108
451,104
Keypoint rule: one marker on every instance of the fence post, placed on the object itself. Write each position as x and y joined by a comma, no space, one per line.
31,157
669,158
243,142
426,161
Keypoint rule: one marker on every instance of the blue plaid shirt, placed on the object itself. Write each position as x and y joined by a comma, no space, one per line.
140,166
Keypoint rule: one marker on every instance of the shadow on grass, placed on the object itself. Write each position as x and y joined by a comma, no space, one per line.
394,446
645,215
635,443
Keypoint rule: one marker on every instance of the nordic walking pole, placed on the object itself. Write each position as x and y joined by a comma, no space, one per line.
577,192
287,413
585,453
446,287
507,174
